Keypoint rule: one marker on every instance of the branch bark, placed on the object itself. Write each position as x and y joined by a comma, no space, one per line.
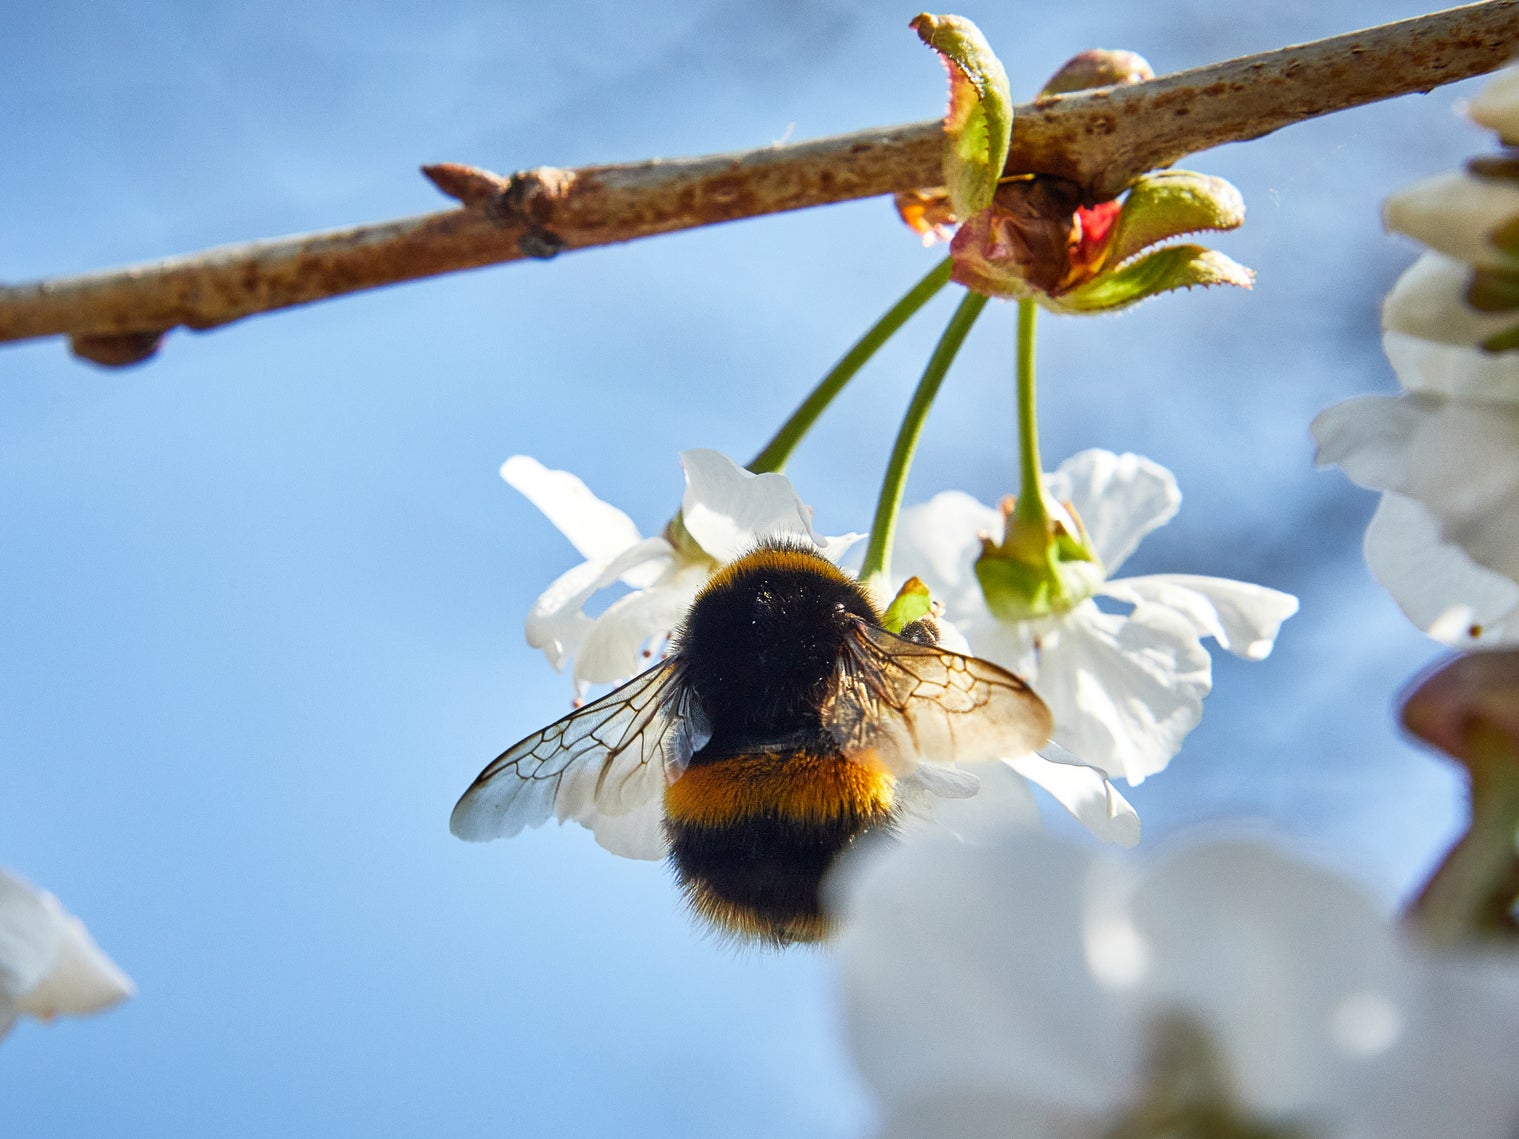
1099,139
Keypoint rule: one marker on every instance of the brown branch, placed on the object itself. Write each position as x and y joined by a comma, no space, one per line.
1100,139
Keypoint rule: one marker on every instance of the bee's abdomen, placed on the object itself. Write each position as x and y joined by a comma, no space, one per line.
752,835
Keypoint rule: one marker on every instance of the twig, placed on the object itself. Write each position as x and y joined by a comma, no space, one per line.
1100,140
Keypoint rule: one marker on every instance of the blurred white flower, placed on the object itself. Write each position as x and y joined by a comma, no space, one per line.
1027,988
725,512
48,963
1496,106
1429,301
1455,213
1124,688
1445,540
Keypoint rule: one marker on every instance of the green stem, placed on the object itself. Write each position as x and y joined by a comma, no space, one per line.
1030,515
883,528
774,455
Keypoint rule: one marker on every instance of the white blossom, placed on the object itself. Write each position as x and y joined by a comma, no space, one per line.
1445,540
1124,688
49,964
1429,301
726,510
1023,987
1496,106
1455,213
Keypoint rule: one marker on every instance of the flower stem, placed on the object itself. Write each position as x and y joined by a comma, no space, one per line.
1030,515
1471,896
774,455
877,564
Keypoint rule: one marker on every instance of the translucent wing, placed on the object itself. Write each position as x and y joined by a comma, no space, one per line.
915,703
605,766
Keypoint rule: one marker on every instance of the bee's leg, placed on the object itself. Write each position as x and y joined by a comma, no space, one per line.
923,631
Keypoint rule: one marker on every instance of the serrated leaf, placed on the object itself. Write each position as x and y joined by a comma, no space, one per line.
1174,267
1168,203
978,128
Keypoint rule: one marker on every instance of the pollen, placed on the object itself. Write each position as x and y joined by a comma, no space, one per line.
801,786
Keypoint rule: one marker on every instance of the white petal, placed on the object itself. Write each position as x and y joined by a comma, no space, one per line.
642,564
1124,691
728,509
1369,437
639,833
939,541
1120,498
30,932
555,622
1461,466
595,528
83,979
1438,587
974,808
614,648
957,972
1454,1076
49,964
1086,793
1496,106
1453,212
1426,367
1267,953
1241,617
1429,301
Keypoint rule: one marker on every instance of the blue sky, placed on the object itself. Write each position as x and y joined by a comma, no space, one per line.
263,596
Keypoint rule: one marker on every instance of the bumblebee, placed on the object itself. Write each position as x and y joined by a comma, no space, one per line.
785,725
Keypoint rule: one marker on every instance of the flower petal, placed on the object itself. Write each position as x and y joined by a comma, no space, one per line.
595,528
615,646
1439,588
728,509
939,541
30,932
1368,437
1120,499
1429,301
1086,793
1425,367
1124,691
1270,955
640,833
1241,617
555,623
1496,106
49,964
1461,467
1453,212
948,985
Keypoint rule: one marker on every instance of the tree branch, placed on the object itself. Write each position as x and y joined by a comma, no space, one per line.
1099,139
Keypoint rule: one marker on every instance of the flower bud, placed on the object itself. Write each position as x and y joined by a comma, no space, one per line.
1042,565
1099,67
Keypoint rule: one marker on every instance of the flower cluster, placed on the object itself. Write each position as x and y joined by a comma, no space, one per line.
1445,537
1125,689
1024,987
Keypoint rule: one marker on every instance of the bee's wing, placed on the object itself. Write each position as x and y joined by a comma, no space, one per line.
605,766
913,703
